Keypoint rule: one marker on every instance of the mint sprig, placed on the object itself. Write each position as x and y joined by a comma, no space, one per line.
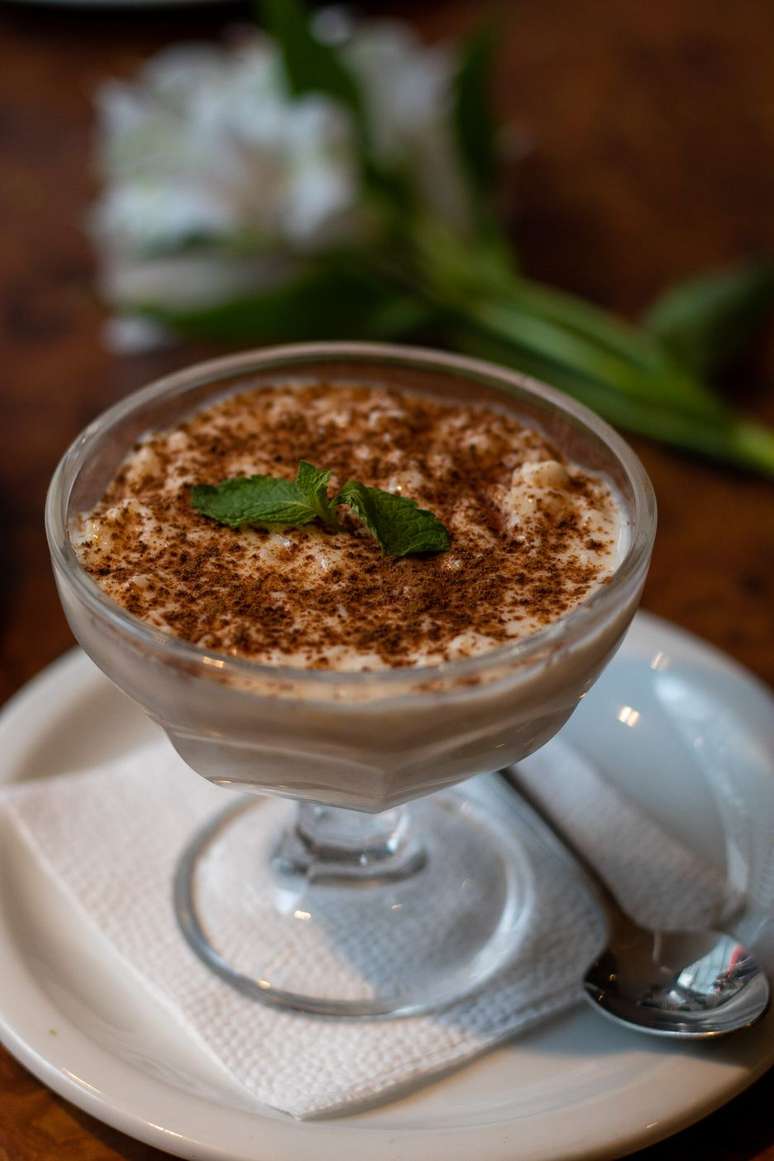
267,501
400,526
397,523
313,485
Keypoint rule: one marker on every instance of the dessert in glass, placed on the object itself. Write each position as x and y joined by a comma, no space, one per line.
310,660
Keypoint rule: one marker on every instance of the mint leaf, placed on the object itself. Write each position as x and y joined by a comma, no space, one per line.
268,501
313,486
263,501
397,523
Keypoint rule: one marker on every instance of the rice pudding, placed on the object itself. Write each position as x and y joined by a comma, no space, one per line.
531,534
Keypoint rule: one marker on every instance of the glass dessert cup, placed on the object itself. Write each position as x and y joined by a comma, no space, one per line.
386,892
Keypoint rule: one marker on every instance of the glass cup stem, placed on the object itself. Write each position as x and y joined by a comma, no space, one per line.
331,842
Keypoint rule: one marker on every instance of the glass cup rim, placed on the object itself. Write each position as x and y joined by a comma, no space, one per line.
571,626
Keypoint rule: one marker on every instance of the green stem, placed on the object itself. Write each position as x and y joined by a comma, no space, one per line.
551,340
592,322
752,444
552,324
733,439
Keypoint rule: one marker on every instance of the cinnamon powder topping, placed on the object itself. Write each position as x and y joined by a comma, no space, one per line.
532,535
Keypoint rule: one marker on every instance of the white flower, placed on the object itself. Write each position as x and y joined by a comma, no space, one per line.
213,173
207,145
407,89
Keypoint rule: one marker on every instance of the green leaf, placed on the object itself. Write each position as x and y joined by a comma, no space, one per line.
546,338
311,66
261,501
473,119
268,501
313,485
396,522
591,322
725,436
554,325
333,299
707,321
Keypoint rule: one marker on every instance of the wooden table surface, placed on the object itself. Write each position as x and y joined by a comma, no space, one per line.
652,137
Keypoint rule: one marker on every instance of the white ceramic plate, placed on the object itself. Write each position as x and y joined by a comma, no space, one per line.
576,1087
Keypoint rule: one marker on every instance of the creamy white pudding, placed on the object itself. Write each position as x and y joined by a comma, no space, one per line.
532,535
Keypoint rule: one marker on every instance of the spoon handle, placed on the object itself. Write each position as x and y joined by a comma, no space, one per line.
563,841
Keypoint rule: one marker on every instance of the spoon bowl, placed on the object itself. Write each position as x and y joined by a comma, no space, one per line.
685,984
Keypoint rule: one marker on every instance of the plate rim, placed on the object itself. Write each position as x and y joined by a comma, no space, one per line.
39,1055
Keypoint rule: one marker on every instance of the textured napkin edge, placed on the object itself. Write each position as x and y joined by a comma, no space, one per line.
411,1075
357,1101
419,1073
38,854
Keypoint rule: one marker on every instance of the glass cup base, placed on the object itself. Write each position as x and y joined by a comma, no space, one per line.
340,913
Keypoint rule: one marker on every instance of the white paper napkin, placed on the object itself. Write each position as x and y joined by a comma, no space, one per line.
661,883
111,837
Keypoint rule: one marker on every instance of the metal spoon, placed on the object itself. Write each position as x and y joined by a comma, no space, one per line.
684,984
